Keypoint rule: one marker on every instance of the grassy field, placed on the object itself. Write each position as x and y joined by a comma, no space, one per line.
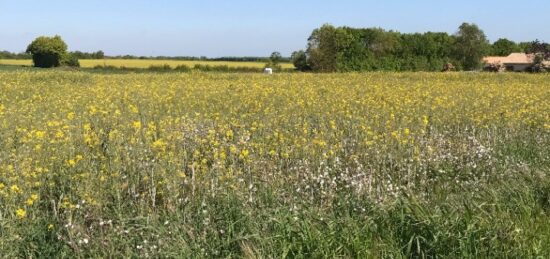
390,165
140,63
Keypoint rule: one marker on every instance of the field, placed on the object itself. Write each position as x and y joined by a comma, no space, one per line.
141,63
186,165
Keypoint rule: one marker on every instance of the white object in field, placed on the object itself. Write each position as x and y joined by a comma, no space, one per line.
268,71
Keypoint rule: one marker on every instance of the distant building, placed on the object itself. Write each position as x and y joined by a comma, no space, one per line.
513,62
517,62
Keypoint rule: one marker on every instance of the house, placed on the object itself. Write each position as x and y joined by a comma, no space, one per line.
516,62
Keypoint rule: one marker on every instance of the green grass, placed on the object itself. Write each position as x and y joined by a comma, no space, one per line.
500,221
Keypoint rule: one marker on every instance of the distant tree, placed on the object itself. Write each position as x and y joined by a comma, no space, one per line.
275,58
504,47
381,48
9,55
299,59
274,61
50,52
370,49
342,49
429,51
99,55
322,49
70,61
87,55
541,51
471,46
524,46
539,48
381,42
78,54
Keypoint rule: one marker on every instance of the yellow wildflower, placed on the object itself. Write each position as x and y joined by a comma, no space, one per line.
136,125
70,115
15,188
159,145
20,213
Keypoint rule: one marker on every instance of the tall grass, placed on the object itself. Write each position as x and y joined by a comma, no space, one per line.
207,165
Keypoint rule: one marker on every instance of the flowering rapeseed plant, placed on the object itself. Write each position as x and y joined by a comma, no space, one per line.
84,147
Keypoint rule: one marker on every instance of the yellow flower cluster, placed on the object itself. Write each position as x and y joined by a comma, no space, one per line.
95,137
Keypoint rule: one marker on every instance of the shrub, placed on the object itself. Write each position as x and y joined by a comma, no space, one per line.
182,68
70,61
160,68
200,67
494,67
47,51
299,59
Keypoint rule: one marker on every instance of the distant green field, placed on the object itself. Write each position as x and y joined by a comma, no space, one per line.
145,63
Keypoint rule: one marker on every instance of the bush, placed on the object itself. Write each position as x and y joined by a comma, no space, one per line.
160,68
47,51
540,63
109,67
204,68
494,67
70,61
182,68
299,59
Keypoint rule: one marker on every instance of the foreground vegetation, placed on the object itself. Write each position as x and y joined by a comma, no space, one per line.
291,165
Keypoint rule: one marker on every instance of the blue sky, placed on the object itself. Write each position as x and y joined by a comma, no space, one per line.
248,28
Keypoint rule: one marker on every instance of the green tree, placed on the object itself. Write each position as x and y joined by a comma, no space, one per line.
275,58
540,48
49,52
274,61
99,55
541,51
470,46
351,54
322,49
70,61
525,46
424,52
504,47
299,59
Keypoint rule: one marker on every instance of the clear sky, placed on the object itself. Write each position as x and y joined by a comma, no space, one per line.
217,28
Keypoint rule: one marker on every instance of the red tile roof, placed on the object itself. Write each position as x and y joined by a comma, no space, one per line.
514,58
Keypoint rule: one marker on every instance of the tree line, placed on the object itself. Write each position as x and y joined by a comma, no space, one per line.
76,54
9,55
342,49
101,55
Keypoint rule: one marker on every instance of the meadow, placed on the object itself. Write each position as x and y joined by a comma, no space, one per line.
201,165
145,63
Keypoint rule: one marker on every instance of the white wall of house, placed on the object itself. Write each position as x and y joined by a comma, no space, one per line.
518,67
